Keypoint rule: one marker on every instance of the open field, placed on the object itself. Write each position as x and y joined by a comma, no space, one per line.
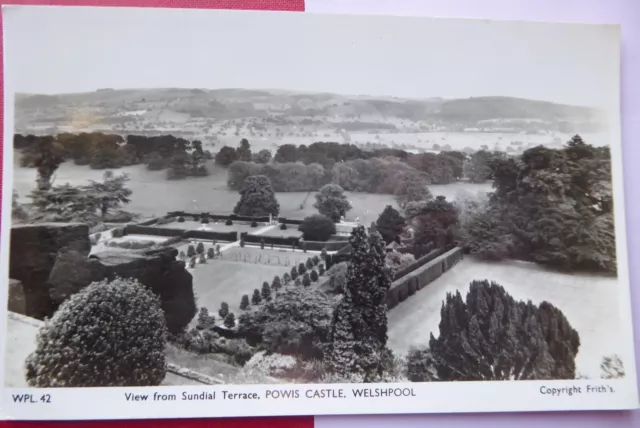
201,194
589,302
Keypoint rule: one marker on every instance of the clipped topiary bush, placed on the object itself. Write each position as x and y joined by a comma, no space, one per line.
309,264
314,275
211,253
286,278
180,219
230,320
200,248
301,269
244,302
224,310
204,221
306,281
298,282
202,259
256,299
182,255
294,273
320,269
108,334
191,251
315,260
229,222
254,224
266,291
283,226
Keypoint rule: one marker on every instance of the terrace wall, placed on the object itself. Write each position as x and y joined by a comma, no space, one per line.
184,234
422,276
264,219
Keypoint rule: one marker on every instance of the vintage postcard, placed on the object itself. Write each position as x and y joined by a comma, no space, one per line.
226,213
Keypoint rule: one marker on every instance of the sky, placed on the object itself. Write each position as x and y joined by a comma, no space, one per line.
53,50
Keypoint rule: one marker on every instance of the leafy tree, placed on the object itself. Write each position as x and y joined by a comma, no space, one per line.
243,152
226,156
491,336
294,273
479,168
256,298
111,193
200,248
257,198
296,323
230,320
263,156
224,310
390,224
412,187
244,302
122,316
205,320
359,326
317,227
302,269
276,284
314,275
331,202
437,223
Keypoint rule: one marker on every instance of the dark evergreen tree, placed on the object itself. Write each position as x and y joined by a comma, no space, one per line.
359,327
437,223
200,248
491,336
309,264
191,251
317,227
314,275
257,198
230,320
306,280
244,302
224,310
321,269
204,319
286,278
243,152
301,269
315,260
256,299
276,284
211,253
298,281
294,273
390,224
266,291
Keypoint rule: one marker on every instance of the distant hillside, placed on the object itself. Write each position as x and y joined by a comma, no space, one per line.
203,110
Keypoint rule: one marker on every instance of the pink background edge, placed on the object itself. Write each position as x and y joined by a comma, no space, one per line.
624,12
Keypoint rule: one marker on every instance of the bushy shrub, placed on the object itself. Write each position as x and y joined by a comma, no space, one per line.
317,227
211,253
191,251
204,220
314,275
244,302
276,283
256,299
229,222
283,226
230,320
224,310
397,261
254,224
118,232
205,320
200,248
276,365
180,219
301,269
306,281
296,323
337,278
122,316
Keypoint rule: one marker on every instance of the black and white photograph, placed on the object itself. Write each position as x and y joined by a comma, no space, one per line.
204,200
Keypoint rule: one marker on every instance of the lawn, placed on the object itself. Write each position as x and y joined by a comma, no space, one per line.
588,301
211,226
291,230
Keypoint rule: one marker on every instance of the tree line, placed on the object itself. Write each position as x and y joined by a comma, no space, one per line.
179,157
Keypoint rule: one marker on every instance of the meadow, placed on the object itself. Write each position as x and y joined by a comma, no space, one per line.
210,194
412,321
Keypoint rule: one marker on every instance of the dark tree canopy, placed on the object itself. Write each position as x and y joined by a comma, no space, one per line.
390,224
317,228
243,152
437,223
257,198
491,336
359,327
332,202
226,156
